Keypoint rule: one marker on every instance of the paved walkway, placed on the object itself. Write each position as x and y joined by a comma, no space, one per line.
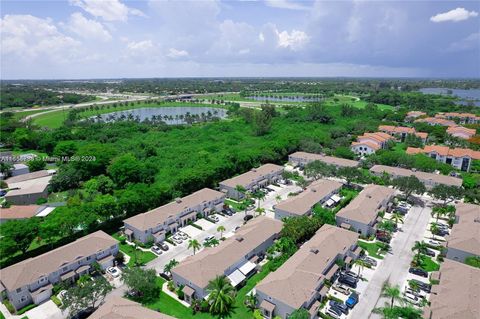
394,267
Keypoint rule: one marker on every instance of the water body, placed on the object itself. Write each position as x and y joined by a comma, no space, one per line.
286,98
170,115
465,96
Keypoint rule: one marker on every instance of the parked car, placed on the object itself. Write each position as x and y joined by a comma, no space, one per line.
247,217
419,294
338,305
411,298
236,228
163,246
341,289
418,272
227,212
113,271
369,260
422,285
156,250
349,273
208,238
335,313
434,242
352,300
182,235
348,280
430,253
177,240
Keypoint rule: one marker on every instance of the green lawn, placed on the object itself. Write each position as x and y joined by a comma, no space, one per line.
371,248
143,256
22,114
473,261
341,99
427,264
238,206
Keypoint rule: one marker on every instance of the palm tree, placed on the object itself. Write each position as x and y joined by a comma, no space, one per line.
392,292
251,301
278,198
211,243
397,218
438,212
170,265
420,247
259,196
221,295
361,264
260,211
434,229
221,229
194,244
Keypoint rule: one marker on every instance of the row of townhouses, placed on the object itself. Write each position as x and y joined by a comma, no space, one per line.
32,280
459,158
401,132
154,225
461,118
369,143
303,158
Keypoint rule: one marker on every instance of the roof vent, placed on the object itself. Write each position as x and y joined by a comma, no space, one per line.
178,200
314,250
239,239
314,190
369,196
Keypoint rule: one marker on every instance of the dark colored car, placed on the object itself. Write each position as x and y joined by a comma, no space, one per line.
430,253
163,246
422,285
339,305
227,212
247,217
348,280
352,300
418,272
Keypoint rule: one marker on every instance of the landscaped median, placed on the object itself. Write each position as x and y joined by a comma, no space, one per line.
138,256
374,249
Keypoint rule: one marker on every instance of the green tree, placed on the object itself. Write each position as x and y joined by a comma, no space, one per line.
87,295
397,218
446,193
221,229
421,248
127,169
299,314
349,174
393,293
211,243
317,112
251,301
318,169
36,165
141,283
21,232
408,185
194,245
170,265
361,264
221,295
65,149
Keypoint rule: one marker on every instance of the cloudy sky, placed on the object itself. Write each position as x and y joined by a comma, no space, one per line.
167,38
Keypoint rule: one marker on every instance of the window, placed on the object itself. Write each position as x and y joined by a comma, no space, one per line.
24,298
19,289
89,257
65,268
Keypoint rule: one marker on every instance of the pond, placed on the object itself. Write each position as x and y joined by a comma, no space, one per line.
170,115
465,96
285,98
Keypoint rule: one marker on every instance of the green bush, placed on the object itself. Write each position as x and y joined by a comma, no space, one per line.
56,301
25,309
9,306
257,314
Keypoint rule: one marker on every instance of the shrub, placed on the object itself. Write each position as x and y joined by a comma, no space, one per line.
9,306
257,314
56,301
171,286
120,258
41,201
25,309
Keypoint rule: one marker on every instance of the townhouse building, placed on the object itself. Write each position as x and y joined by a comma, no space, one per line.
413,115
400,133
155,224
361,214
369,143
120,308
464,238
433,121
303,158
234,258
27,188
316,193
461,132
301,281
251,180
430,180
456,295
460,118
32,280
459,158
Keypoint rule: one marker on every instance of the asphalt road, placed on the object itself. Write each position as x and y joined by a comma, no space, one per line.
394,267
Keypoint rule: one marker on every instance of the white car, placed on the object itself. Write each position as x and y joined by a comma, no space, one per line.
411,298
113,271
156,250
177,240
434,242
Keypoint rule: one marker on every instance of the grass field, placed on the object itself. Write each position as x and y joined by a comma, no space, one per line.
22,114
143,256
56,118
371,248
427,264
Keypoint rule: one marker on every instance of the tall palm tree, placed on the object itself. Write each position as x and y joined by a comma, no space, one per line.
393,293
251,301
437,212
211,243
221,295
259,196
361,264
194,244
420,247
221,229
434,229
170,265
397,218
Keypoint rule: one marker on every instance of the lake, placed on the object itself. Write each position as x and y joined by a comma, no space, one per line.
289,98
170,115
464,95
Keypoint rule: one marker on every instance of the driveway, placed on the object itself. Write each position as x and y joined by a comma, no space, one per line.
394,267
47,310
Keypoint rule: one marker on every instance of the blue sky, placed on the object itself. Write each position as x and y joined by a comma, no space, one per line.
163,38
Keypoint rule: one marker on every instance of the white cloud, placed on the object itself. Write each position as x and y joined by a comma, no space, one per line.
140,46
87,29
468,43
174,53
27,37
295,40
285,4
108,10
455,15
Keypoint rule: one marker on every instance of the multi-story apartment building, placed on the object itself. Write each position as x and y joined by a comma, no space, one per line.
430,180
460,158
464,238
32,280
155,224
251,180
401,132
412,115
303,158
433,121
235,258
369,143
461,118
461,132
301,281
316,193
361,213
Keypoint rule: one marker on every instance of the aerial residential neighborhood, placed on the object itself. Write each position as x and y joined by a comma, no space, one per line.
229,159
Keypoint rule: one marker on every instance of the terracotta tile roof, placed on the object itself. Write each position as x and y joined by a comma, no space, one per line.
413,150
445,151
372,145
461,129
455,114
416,114
436,120
120,308
422,135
